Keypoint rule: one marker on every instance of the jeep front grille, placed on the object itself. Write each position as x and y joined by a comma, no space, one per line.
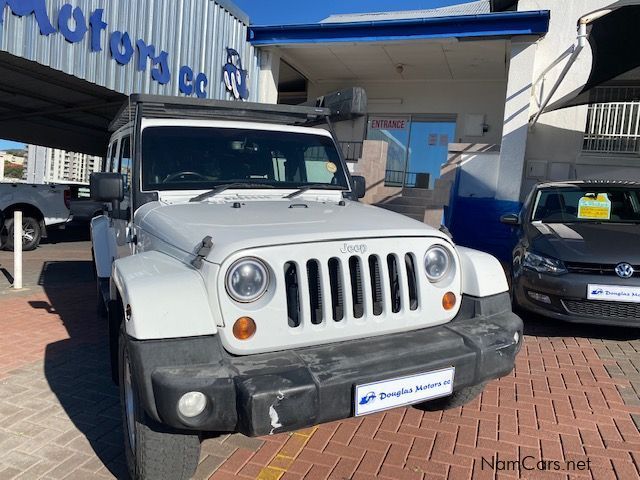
329,289
336,291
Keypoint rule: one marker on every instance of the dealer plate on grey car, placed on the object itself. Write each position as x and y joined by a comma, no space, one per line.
378,396
613,293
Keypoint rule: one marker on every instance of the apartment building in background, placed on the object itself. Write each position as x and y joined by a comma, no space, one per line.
51,165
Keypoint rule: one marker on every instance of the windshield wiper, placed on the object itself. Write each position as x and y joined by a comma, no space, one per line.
314,186
226,186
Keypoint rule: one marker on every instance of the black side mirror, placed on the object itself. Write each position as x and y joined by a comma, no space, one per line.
106,187
510,219
359,185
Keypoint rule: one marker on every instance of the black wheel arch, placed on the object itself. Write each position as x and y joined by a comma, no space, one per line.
28,210
115,316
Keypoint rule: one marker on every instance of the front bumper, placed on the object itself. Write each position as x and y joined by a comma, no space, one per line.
568,296
314,385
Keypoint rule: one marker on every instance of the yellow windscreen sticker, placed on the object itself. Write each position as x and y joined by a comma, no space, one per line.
595,207
331,167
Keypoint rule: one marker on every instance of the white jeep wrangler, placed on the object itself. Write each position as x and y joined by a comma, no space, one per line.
248,291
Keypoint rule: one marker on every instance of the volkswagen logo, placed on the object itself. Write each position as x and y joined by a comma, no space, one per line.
624,270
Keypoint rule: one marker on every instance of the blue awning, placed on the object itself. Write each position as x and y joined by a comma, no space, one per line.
504,24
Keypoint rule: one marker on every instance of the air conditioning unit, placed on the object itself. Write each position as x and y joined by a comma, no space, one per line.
344,104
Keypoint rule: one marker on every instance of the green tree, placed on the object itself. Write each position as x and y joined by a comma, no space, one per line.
12,170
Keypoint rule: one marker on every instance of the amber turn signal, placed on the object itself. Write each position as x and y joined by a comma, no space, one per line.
244,328
449,300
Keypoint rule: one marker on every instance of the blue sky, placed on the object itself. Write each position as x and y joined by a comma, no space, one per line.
6,145
277,12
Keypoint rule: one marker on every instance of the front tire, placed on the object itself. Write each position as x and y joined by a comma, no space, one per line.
31,234
152,450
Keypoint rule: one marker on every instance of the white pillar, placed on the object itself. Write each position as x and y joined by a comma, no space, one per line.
17,250
516,121
37,164
268,76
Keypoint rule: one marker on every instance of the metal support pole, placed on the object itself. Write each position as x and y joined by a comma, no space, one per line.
17,250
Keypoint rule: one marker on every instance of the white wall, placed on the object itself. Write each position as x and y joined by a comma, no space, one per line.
554,146
515,120
439,97
479,174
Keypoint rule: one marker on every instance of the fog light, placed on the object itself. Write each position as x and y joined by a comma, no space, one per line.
449,300
192,404
516,338
244,328
539,297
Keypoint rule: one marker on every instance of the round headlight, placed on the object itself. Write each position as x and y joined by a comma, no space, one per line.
437,263
247,280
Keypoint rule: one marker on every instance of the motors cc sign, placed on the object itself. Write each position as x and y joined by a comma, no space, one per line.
75,25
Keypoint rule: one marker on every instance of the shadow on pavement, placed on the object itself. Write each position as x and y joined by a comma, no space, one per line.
539,326
7,275
73,232
77,368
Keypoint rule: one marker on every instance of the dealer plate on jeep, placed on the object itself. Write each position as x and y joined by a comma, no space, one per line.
378,396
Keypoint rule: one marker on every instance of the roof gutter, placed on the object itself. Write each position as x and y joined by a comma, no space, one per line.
463,26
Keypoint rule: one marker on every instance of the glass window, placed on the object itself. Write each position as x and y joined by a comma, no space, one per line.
428,151
316,166
416,147
112,161
587,204
125,161
199,158
394,131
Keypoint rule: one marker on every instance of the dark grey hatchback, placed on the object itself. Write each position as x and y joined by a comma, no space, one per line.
578,252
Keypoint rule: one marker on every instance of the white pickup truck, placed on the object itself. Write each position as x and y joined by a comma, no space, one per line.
249,291
42,206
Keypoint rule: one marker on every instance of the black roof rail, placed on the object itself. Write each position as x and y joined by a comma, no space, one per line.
597,182
158,106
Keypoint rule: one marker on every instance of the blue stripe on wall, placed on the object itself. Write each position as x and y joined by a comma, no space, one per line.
475,223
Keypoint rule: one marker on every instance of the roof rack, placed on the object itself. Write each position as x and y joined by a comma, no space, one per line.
599,182
158,106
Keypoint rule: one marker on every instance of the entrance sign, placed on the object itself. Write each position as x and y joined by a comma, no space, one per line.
391,123
594,207
73,25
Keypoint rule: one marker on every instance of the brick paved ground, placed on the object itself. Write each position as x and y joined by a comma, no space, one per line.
559,404
573,396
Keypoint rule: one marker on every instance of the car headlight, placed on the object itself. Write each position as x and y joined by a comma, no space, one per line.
543,264
437,263
247,280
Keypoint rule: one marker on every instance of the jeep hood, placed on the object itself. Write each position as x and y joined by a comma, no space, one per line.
240,225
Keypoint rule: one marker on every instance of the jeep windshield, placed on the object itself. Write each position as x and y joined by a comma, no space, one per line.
581,204
205,158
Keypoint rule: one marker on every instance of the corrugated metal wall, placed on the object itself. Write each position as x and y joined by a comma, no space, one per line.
194,33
